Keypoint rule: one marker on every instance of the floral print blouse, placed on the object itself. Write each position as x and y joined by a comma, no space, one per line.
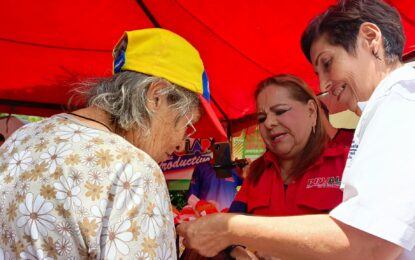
70,191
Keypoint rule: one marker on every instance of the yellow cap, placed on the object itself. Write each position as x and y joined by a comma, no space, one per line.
162,53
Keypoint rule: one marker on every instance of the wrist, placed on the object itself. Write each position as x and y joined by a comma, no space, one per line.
235,229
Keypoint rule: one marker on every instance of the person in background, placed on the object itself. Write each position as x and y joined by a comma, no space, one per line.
206,185
87,184
355,47
343,136
300,172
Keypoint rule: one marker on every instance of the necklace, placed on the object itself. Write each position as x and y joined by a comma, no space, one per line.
91,119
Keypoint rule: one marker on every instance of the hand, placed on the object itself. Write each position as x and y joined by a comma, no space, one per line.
208,235
240,253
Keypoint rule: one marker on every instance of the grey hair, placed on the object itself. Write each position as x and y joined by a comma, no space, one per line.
124,97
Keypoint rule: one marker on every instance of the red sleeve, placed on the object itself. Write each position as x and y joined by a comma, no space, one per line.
242,195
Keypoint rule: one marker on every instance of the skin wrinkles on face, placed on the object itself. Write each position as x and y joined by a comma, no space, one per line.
284,123
166,133
174,133
343,75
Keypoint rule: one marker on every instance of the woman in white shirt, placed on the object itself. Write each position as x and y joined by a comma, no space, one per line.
356,49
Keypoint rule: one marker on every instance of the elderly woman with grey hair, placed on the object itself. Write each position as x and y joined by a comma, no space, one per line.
87,183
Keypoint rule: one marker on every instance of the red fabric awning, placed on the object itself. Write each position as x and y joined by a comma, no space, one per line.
47,46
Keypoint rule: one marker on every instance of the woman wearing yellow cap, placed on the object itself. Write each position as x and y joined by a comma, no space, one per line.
87,183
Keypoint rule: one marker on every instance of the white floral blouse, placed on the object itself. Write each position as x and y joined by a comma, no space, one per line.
69,191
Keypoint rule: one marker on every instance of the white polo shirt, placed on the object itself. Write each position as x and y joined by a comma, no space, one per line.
379,178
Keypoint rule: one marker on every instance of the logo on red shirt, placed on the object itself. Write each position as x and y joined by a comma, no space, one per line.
324,182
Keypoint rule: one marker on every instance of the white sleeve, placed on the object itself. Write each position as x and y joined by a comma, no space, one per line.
379,185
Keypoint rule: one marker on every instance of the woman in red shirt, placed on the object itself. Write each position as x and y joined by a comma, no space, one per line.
300,173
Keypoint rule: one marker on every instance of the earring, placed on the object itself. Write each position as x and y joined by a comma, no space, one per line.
376,55
313,128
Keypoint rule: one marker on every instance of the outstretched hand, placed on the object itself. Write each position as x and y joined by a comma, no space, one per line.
207,235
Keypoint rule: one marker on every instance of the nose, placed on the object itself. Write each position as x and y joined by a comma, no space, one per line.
325,84
180,147
271,121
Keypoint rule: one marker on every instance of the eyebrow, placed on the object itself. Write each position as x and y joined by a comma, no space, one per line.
271,108
278,105
274,107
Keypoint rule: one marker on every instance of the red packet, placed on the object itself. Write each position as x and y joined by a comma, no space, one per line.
186,214
204,208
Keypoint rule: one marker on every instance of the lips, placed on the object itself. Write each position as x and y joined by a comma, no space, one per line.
338,90
278,136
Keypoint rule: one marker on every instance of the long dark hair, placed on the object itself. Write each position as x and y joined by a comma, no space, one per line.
314,147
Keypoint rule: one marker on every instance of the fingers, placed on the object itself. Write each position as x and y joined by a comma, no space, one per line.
186,243
202,236
181,229
252,255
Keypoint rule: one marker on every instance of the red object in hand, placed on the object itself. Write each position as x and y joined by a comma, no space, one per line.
204,207
195,209
186,214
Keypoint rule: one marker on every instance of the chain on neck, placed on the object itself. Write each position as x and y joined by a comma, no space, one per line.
91,119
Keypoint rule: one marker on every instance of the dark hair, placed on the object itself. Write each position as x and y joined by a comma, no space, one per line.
341,23
325,109
314,147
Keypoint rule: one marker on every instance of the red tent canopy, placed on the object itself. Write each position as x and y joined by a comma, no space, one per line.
49,45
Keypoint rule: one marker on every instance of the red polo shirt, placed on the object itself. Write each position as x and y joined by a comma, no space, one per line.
317,191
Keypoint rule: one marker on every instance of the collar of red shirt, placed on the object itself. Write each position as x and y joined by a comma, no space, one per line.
331,150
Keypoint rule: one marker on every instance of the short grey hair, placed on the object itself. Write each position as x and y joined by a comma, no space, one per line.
124,97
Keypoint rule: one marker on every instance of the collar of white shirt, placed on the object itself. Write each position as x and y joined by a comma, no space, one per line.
404,72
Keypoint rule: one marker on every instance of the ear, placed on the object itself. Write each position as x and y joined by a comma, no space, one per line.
154,98
371,35
313,110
